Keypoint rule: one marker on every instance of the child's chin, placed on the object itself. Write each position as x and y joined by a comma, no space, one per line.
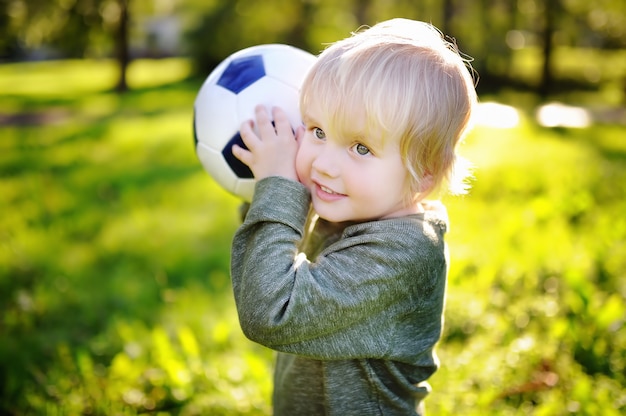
329,214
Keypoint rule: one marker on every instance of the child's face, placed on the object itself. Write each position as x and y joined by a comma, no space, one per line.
352,178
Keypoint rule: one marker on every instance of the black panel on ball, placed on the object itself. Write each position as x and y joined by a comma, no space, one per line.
241,170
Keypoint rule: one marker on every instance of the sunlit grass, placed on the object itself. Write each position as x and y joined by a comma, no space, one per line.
532,250
69,78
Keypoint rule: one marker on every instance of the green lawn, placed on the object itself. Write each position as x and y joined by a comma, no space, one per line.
114,253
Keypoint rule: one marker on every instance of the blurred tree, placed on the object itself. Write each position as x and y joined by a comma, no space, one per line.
362,12
216,28
448,10
121,44
62,25
598,24
67,28
551,11
227,26
8,36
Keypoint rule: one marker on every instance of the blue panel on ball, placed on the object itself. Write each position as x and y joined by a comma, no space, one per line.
241,170
242,73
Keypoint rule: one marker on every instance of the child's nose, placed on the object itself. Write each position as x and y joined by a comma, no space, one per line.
326,162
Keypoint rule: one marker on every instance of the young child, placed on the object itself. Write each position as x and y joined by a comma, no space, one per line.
353,301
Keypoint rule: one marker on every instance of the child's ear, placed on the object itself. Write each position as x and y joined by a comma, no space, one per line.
426,183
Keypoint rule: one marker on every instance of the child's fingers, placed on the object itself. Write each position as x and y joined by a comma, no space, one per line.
281,123
300,133
247,134
264,123
242,154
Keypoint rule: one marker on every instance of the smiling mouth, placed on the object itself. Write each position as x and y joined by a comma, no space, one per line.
328,190
327,194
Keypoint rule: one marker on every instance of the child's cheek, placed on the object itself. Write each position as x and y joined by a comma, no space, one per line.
303,166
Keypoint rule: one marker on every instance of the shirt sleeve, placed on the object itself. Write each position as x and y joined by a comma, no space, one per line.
353,301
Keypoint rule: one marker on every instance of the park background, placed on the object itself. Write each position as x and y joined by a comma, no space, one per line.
114,243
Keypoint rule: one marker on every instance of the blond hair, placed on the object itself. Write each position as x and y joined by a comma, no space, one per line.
407,83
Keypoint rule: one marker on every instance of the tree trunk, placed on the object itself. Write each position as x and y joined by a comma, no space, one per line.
547,77
121,46
361,12
447,15
512,13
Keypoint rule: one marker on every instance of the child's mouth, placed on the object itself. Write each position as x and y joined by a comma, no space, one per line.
327,194
328,190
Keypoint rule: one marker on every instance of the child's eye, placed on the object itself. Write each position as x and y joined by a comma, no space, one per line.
361,149
319,133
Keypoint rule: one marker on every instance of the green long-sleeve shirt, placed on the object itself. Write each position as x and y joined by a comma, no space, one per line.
356,321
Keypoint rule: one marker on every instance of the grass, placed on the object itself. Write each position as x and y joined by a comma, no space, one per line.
536,300
114,253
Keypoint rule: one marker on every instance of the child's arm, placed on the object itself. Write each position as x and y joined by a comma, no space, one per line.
355,300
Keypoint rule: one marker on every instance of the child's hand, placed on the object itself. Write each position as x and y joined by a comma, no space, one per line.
274,152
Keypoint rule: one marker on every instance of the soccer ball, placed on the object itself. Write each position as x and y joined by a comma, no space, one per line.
270,75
